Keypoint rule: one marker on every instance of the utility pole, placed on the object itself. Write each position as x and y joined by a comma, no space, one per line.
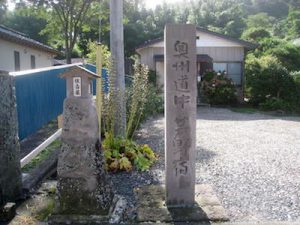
117,52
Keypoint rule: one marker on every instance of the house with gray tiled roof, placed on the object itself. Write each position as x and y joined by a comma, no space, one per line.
20,52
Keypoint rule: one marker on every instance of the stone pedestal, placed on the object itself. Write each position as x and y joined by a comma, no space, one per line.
152,207
10,169
83,186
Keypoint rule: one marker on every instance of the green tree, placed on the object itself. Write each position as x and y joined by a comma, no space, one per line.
293,22
28,20
255,34
67,18
260,20
3,8
288,54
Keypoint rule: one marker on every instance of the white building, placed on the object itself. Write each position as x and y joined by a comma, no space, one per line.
215,51
19,52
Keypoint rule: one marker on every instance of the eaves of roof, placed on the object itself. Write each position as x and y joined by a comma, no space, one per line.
246,44
19,38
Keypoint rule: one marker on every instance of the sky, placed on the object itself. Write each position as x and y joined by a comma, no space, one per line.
149,3
153,3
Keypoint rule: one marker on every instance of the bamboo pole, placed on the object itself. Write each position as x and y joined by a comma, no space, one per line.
99,86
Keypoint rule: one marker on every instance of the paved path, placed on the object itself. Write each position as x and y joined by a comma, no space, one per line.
251,160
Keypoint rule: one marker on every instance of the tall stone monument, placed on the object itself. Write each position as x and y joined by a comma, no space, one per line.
180,200
10,169
83,186
180,113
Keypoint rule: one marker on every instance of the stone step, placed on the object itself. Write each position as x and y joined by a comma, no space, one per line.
227,223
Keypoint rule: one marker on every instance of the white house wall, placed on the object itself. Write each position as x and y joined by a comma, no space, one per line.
207,40
223,54
147,56
7,62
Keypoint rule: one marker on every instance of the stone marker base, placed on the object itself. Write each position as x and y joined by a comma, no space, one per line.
151,206
114,216
7,212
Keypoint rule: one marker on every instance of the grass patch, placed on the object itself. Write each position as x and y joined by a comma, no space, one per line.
42,156
44,213
244,110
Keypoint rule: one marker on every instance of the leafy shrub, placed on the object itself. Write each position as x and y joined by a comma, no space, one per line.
277,104
155,102
152,77
218,89
266,78
123,154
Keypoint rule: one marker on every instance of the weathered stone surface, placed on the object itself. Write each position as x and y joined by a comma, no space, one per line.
10,170
119,208
83,186
229,223
151,206
113,218
180,112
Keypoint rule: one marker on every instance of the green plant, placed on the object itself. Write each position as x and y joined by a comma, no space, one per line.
152,77
42,156
266,78
244,110
154,104
277,104
123,154
138,98
91,56
45,212
218,89
109,101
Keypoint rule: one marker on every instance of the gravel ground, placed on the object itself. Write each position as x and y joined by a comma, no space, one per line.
251,160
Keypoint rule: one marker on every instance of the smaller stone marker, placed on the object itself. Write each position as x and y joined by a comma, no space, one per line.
83,186
10,168
180,113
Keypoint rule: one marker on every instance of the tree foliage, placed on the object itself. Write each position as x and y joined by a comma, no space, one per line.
268,79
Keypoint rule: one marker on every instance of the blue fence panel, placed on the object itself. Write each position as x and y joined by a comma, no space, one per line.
105,81
40,97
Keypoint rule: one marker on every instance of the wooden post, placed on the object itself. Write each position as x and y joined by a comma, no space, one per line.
99,86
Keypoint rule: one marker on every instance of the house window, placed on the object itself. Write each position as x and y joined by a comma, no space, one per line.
32,61
17,60
233,71
220,67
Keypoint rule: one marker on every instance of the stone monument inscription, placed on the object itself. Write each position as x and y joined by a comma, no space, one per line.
77,86
180,113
